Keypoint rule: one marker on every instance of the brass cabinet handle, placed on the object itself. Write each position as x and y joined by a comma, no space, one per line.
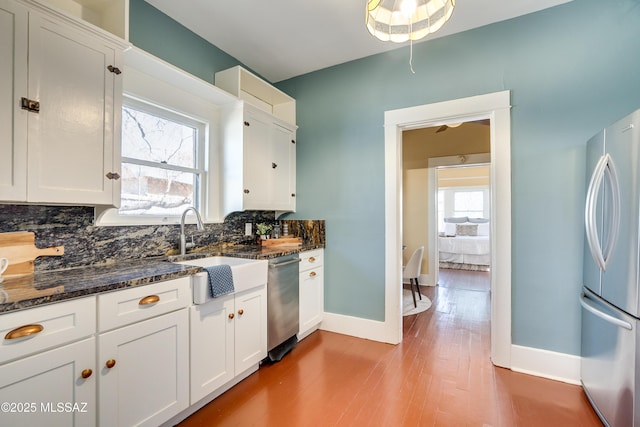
312,259
23,331
86,373
312,274
110,363
241,312
231,315
151,299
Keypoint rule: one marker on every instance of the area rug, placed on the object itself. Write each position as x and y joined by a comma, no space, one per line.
407,303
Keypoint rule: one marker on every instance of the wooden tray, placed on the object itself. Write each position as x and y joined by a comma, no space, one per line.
291,241
19,247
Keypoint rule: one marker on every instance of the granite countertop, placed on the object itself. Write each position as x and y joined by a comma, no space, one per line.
53,286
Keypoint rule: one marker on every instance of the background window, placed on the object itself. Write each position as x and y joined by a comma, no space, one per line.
468,203
473,202
162,161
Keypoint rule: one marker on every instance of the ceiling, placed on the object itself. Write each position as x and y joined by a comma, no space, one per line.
280,39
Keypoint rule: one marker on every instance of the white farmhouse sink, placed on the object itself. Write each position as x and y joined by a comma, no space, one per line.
247,274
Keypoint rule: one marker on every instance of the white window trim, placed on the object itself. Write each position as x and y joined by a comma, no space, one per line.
151,80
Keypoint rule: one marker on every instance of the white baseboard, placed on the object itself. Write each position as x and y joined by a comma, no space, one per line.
547,364
527,360
356,327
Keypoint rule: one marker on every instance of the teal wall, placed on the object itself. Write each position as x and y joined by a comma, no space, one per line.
155,32
572,70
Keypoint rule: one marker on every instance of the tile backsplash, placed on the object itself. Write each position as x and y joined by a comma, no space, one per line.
87,244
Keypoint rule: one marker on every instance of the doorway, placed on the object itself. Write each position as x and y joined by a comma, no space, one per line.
496,108
462,209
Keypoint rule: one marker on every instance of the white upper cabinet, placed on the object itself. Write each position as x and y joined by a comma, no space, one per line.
109,15
259,162
61,142
259,145
13,84
255,91
269,163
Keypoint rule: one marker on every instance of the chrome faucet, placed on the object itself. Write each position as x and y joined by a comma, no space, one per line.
183,244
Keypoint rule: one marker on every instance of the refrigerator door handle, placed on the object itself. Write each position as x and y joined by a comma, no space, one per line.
604,169
585,302
612,179
590,212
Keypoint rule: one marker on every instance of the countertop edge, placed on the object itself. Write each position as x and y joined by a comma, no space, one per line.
44,288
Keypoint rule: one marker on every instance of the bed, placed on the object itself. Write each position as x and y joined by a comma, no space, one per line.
464,244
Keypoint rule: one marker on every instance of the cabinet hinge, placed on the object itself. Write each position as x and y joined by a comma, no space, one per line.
114,70
113,175
30,105
247,123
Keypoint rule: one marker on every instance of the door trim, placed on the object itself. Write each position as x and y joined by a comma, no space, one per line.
496,107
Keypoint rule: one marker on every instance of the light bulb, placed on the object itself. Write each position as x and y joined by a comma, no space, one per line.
408,7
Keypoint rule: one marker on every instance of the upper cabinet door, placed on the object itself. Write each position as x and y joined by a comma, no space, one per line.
257,161
73,136
13,86
283,153
269,163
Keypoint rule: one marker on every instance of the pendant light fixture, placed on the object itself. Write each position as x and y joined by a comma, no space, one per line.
401,20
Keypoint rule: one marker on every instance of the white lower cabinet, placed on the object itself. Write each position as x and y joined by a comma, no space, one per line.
228,338
311,291
50,388
47,365
143,371
144,362
135,357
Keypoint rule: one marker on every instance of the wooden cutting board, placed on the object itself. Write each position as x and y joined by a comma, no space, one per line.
19,247
282,241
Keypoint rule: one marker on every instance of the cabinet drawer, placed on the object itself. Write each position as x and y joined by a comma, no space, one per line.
133,305
57,324
311,259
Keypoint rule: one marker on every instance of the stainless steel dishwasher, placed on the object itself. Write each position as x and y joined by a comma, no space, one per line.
283,303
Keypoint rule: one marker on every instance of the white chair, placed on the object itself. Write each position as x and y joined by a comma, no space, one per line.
412,272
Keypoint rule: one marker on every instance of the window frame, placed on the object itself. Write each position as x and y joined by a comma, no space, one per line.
153,81
199,170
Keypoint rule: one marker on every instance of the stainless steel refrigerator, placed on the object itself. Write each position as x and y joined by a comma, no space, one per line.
609,297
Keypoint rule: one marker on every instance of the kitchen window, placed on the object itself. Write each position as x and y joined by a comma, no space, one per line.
162,161
171,132
164,167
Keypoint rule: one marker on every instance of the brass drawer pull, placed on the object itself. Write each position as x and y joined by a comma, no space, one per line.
312,259
110,363
241,312
86,373
23,331
312,274
151,299
231,315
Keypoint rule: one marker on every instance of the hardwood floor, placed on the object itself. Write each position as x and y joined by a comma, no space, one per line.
440,375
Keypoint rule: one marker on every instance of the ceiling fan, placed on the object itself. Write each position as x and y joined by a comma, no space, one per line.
442,128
